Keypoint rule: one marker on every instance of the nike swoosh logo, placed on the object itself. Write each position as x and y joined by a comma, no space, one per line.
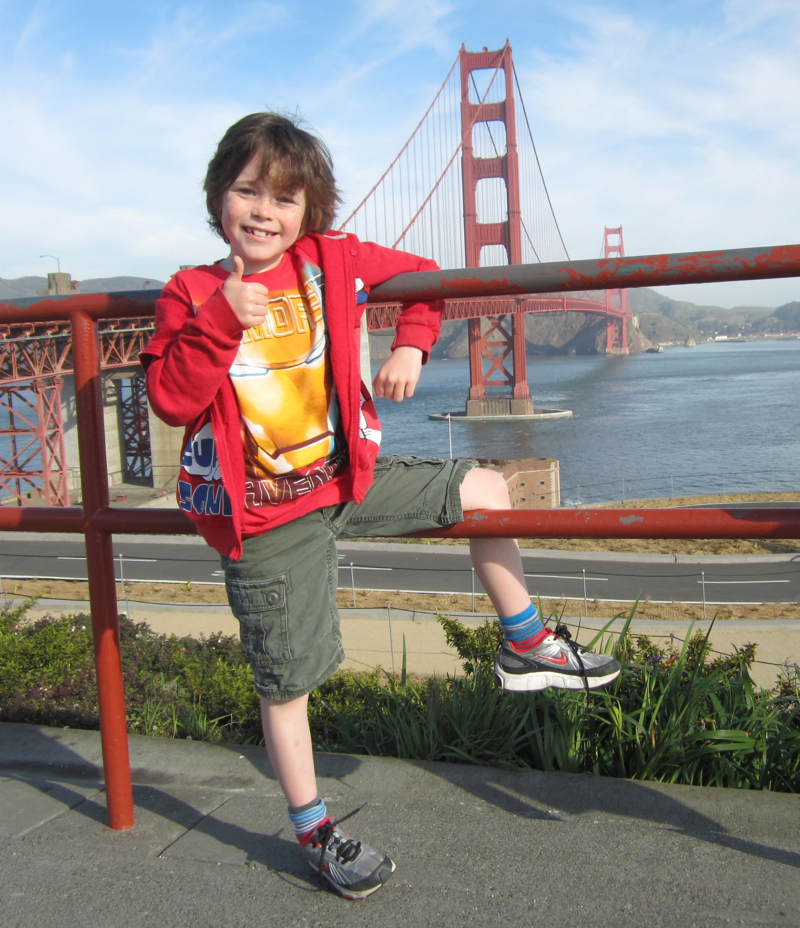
554,660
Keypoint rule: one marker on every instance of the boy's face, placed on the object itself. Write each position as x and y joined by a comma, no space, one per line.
259,224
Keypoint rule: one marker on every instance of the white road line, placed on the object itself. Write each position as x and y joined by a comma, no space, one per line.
727,582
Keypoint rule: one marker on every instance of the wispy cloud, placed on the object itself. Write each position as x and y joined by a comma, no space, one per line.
687,135
408,23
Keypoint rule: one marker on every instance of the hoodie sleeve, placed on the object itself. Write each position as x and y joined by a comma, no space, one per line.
191,351
418,324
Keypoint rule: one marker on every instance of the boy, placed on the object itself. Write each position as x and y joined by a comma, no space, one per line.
258,356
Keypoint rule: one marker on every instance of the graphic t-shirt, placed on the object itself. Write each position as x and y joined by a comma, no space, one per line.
284,387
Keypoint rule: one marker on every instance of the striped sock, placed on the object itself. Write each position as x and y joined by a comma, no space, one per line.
306,819
524,630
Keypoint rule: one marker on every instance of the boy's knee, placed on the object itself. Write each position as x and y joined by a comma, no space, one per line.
484,489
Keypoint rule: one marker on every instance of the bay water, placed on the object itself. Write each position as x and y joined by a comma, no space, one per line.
717,418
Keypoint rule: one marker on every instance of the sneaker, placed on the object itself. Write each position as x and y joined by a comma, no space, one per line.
351,868
558,662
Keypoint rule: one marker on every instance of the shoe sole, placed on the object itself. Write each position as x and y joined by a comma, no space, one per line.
541,680
387,868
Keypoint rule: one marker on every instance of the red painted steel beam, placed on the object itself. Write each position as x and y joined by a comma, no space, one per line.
625,523
100,569
42,519
143,521
125,304
511,523
553,277
608,273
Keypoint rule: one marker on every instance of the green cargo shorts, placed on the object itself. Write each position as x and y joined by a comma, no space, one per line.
283,590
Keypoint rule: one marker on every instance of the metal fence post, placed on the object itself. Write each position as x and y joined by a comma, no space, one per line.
703,583
585,603
101,573
391,636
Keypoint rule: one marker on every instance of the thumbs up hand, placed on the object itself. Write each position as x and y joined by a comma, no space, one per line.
249,301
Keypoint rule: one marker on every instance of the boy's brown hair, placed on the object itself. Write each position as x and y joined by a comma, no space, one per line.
290,156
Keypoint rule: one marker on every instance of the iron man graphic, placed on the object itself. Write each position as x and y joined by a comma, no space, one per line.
284,386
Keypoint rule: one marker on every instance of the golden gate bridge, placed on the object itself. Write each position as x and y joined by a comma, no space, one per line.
468,191
465,190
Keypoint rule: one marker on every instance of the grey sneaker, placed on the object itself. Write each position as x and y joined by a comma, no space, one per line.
558,662
351,868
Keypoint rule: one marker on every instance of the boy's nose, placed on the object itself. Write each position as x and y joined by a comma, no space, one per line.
262,207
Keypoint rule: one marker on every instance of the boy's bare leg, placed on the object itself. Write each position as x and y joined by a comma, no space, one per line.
288,739
496,560
524,662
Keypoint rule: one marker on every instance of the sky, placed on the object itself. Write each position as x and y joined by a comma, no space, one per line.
677,119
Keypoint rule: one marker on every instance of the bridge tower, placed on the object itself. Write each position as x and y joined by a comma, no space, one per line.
616,326
497,350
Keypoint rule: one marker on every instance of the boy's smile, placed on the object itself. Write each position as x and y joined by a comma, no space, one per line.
260,224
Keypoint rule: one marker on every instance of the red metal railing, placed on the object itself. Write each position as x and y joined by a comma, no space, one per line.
98,522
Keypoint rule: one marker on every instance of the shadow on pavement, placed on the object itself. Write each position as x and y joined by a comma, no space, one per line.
539,795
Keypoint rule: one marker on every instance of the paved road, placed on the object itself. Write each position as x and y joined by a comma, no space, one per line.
418,567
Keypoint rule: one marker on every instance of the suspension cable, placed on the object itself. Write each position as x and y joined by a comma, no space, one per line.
538,163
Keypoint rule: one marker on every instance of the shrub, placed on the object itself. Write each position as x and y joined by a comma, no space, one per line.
674,715
180,687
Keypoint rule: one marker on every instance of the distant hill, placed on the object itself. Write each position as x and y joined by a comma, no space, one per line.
113,284
708,321
30,286
21,286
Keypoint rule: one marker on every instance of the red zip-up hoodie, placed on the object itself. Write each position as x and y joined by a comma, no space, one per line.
194,345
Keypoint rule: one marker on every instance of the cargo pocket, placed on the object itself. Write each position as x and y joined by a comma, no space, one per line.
261,608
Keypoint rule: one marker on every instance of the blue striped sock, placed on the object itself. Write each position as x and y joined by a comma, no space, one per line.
306,818
522,627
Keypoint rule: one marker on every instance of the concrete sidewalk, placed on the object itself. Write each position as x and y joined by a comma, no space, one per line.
475,846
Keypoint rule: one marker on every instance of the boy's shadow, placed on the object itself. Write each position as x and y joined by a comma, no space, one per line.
44,762
536,795
40,758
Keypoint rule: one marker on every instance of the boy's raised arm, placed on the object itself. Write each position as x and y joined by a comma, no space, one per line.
418,324
190,354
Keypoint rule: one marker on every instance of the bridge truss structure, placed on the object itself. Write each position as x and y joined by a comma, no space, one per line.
35,359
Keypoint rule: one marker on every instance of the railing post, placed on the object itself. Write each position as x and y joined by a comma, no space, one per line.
100,566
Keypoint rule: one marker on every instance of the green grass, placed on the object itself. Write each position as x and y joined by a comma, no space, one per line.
673,715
